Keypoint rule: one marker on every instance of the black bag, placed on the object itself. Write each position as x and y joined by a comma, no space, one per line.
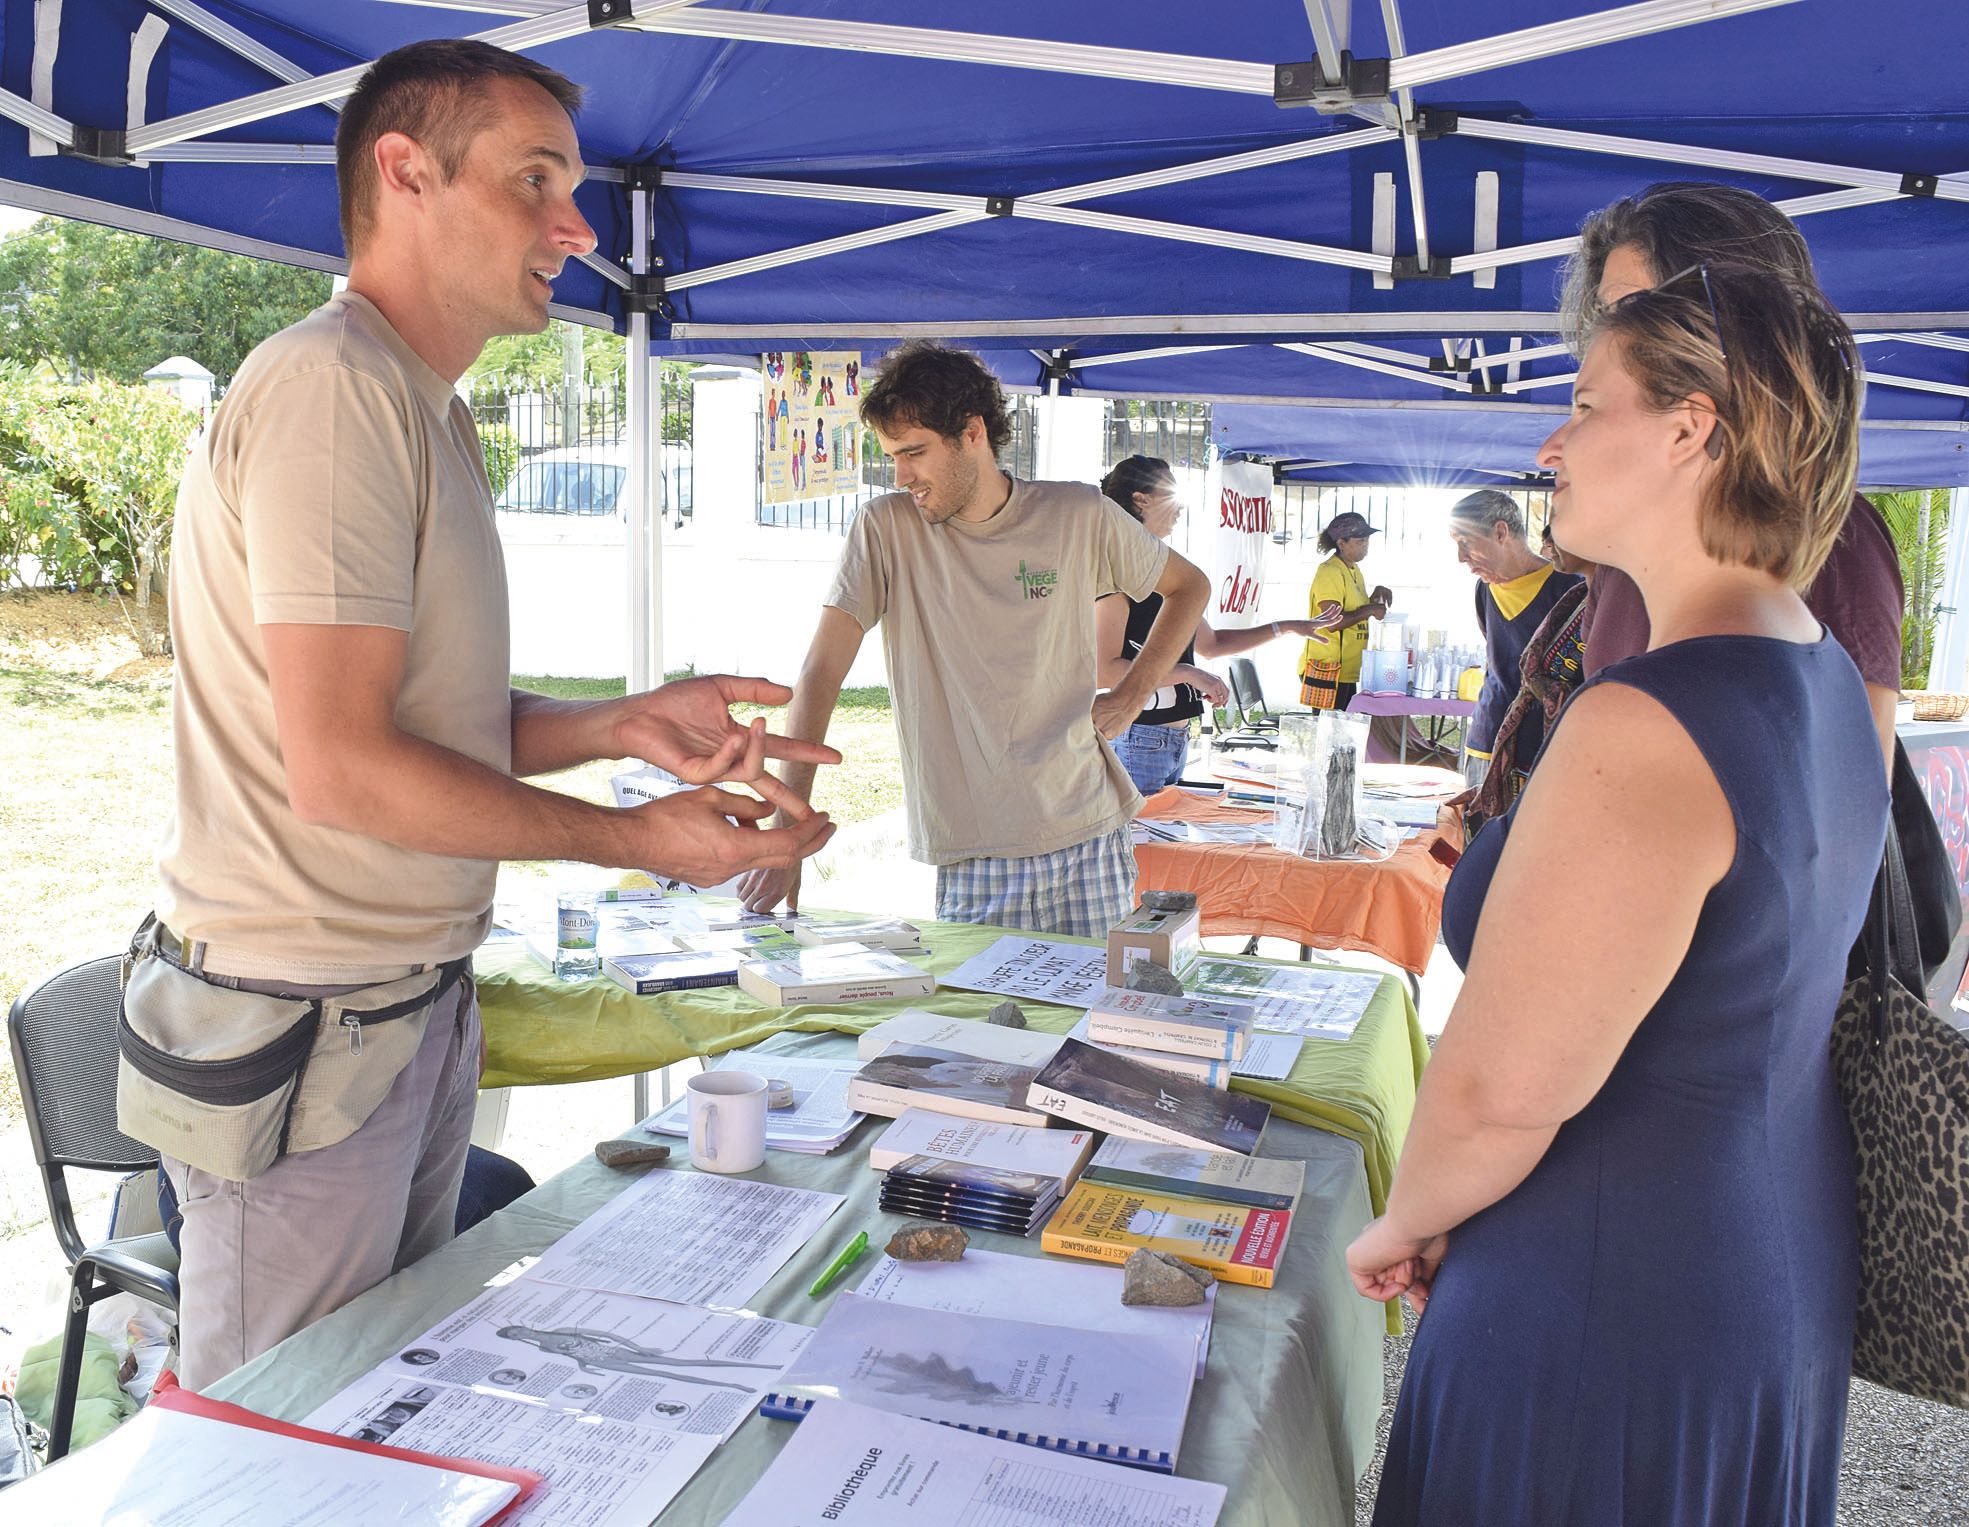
1934,901
1903,1074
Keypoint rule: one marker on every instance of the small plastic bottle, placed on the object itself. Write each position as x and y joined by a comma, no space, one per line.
575,955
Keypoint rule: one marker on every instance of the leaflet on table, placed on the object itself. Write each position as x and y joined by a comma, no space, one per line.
1078,1295
164,1466
689,1237
850,1466
676,1367
1047,1386
820,1118
1290,999
1159,830
1037,970
599,1472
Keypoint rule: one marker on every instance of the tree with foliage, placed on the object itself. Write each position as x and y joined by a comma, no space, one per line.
1918,520
113,455
537,363
96,303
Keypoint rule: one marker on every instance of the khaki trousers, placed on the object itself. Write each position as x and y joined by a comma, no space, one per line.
262,1259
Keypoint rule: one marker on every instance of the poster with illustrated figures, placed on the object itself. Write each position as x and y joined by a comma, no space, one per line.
811,423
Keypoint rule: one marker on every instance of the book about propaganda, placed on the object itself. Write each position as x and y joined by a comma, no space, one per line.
1208,1027
1263,1182
1237,1242
1102,1394
648,974
1085,1084
944,1081
835,973
967,1036
1060,1153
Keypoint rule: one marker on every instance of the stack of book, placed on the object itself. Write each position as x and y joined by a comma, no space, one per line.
1225,1212
833,973
945,1081
979,1197
1060,1153
890,933
1204,1038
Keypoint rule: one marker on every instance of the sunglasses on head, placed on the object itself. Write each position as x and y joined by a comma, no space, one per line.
1714,445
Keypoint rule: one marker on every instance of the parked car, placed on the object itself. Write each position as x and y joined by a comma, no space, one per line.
588,480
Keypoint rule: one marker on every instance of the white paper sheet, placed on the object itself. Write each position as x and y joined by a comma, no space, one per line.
599,1473
164,1468
1080,1295
690,1237
849,1464
820,1118
675,1367
1290,999
1040,970
1156,830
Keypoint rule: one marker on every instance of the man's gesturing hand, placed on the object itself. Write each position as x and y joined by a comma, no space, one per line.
686,836
687,727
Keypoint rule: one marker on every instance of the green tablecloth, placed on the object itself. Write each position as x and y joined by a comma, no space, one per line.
1284,1414
542,1030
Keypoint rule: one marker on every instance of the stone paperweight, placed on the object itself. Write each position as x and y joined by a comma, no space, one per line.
1155,1277
1146,975
928,1243
630,1152
1169,901
1007,1015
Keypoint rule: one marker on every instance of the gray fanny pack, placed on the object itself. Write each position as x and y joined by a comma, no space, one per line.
230,1081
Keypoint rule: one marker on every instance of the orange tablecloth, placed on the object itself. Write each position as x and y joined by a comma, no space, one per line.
1391,909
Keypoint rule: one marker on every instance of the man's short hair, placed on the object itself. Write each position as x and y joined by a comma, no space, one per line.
929,386
1487,508
437,93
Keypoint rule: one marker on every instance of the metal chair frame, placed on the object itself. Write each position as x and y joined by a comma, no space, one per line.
63,1037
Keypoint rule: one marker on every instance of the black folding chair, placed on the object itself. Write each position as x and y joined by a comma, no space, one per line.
1247,723
63,1035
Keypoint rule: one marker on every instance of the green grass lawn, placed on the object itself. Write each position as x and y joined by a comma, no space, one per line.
87,762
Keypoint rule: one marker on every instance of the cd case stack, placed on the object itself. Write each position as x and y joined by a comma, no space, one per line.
979,1197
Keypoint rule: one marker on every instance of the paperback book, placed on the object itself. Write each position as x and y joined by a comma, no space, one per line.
967,1036
1263,1182
837,973
1085,1084
1236,1242
1211,1028
1057,1153
888,933
648,974
944,1081
931,1188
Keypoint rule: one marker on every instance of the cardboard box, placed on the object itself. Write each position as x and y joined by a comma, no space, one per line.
1168,938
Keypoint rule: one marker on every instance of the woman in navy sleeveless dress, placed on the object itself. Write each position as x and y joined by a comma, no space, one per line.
1626,1201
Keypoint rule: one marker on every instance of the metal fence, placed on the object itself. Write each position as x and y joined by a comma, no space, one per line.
1178,433
562,447
1302,510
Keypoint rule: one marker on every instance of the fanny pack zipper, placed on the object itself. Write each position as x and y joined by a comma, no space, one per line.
230,1082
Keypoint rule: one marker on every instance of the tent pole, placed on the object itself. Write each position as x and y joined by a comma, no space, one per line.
1951,653
229,37
645,590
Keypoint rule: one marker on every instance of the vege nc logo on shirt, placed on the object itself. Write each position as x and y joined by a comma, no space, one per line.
1039,582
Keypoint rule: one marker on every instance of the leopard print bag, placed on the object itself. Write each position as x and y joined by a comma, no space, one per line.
1903,1074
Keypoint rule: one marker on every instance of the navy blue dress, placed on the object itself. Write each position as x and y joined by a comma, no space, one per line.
1655,1328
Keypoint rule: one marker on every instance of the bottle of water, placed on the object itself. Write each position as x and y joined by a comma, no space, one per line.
575,954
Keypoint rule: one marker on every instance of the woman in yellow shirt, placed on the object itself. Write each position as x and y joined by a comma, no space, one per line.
1330,668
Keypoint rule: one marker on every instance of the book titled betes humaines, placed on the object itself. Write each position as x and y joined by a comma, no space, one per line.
1085,1084
1239,1244
834,973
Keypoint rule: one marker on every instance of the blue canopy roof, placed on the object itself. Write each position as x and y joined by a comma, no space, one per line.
1041,159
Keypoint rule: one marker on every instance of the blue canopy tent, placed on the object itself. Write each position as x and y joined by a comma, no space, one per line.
1308,181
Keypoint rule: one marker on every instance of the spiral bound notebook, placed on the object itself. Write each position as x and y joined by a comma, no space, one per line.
1122,1397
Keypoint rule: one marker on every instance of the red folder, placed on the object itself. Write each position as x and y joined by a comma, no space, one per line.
170,1396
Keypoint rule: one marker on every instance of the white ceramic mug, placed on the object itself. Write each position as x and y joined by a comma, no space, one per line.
727,1121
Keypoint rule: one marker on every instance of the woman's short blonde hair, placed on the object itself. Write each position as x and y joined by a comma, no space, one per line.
1784,373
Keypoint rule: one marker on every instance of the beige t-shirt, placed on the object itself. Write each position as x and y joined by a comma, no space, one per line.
340,483
989,634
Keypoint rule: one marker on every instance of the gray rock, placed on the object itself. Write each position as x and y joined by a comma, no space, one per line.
928,1243
1169,901
630,1152
1007,1015
1155,1277
1146,975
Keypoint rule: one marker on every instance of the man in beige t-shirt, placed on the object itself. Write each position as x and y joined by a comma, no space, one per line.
347,744
984,587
